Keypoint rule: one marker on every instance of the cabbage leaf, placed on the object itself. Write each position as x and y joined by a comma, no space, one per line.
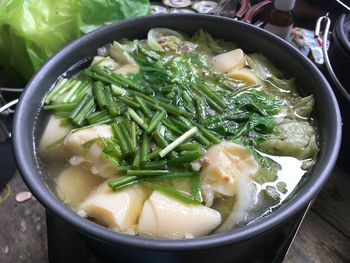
31,31
295,138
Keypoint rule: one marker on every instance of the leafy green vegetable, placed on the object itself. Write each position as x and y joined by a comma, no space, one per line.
31,31
282,187
206,43
304,106
267,171
294,138
262,66
272,193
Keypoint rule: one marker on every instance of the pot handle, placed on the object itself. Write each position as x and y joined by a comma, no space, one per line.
331,72
8,105
4,132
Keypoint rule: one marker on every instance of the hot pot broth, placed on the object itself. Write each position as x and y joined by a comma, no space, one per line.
176,136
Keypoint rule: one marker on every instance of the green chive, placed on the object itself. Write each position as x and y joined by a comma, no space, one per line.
188,157
190,133
156,119
143,107
118,134
171,192
195,188
146,172
98,91
61,106
144,149
137,118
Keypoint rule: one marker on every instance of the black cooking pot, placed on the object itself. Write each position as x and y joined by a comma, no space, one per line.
339,57
239,245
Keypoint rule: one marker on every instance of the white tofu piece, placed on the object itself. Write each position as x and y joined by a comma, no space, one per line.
226,163
228,61
52,133
76,139
119,210
165,217
74,184
93,158
245,75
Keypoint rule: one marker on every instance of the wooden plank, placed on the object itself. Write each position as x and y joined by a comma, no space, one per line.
318,241
333,203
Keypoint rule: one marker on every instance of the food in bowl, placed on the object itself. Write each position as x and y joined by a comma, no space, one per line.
176,137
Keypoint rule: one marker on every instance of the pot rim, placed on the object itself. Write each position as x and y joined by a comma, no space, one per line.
261,226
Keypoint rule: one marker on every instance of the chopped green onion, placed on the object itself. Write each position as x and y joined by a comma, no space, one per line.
190,133
156,119
189,146
136,162
121,140
87,108
137,118
199,136
144,149
112,106
171,126
159,139
98,91
195,188
61,106
187,157
124,168
146,172
211,94
59,84
121,181
93,117
79,106
130,145
72,93
103,78
119,91
133,133
143,107
155,165
171,192
174,109
128,82
129,102
62,114
154,154
201,111
83,90
210,135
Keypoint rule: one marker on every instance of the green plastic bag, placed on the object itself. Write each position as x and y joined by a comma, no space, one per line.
31,31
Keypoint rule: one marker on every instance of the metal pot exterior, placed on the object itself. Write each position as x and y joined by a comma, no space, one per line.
339,56
237,244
